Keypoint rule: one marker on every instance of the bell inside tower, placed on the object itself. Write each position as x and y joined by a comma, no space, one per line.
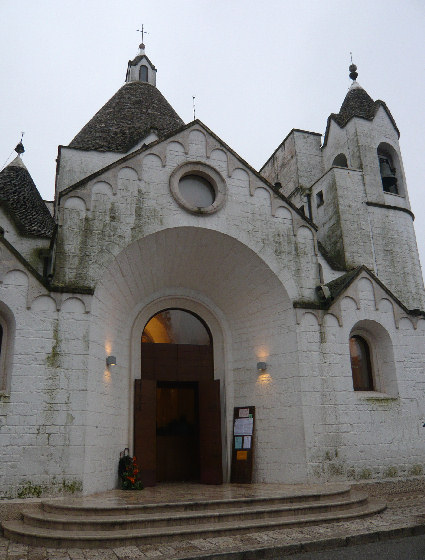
388,174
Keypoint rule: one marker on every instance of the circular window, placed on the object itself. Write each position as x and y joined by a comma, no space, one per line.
198,188
197,191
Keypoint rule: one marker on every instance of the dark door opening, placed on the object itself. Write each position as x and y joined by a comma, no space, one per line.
177,419
177,432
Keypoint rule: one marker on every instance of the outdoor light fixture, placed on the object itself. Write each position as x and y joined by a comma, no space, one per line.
261,367
111,361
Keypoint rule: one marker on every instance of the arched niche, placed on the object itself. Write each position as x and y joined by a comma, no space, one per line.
390,169
340,161
377,347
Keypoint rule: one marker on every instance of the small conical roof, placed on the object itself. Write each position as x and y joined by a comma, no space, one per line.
357,103
127,118
20,196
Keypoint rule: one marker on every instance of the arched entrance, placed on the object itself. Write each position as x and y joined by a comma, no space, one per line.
177,431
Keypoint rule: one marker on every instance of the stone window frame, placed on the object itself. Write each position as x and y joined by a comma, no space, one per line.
382,362
366,355
207,172
8,323
140,73
386,150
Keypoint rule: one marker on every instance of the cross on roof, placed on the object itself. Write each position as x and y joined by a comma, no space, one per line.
143,32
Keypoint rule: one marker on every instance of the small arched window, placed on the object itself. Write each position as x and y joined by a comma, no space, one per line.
340,161
388,168
361,366
143,73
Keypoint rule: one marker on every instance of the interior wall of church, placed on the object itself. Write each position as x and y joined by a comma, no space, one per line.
358,435
42,412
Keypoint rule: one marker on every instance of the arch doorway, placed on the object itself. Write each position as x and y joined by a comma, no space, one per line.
177,431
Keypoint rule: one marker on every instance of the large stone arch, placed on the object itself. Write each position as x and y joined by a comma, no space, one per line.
251,318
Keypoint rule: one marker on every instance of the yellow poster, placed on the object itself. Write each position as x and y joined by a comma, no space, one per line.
241,455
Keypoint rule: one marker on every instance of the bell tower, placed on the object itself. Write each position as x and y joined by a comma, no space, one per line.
141,69
361,203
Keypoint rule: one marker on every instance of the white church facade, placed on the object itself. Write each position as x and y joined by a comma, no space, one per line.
170,282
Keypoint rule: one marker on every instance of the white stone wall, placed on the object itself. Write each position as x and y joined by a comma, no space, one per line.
383,239
256,321
75,165
361,435
297,162
65,416
42,407
100,219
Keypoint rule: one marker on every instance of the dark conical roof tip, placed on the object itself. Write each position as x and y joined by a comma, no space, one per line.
357,103
127,118
20,196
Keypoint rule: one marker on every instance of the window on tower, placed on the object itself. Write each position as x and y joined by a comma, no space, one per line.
388,169
143,73
360,364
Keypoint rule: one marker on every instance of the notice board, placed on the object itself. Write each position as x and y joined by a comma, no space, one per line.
243,444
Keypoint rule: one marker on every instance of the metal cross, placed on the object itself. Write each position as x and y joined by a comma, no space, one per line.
142,31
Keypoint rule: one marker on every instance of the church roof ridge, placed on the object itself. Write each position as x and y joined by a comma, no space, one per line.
19,194
124,120
130,155
338,286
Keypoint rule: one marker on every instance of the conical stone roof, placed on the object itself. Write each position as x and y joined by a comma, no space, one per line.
20,197
127,118
358,103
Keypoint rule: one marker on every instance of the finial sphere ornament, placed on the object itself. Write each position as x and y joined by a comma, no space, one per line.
353,73
20,148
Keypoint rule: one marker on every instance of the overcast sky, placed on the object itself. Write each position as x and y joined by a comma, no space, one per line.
257,69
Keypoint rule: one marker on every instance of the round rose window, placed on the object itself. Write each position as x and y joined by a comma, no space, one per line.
196,191
198,188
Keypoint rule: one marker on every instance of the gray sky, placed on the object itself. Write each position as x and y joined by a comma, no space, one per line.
257,69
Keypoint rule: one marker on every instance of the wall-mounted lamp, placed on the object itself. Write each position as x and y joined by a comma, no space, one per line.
111,361
261,367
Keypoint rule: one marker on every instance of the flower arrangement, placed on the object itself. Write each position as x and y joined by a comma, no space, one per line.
128,471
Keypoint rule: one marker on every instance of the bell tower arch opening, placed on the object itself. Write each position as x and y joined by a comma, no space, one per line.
177,426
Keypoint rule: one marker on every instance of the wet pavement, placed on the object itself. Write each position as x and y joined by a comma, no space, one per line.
403,518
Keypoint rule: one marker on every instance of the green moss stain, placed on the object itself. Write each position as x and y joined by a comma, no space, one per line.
391,472
416,470
71,486
53,359
384,401
364,474
30,490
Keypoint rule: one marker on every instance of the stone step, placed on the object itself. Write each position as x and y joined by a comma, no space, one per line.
89,506
57,538
83,521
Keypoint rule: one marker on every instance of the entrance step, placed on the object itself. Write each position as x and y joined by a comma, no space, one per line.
58,523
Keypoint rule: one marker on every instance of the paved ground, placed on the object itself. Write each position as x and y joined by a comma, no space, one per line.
409,548
404,517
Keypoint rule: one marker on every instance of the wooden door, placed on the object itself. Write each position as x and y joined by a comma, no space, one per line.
145,429
178,363
210,432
